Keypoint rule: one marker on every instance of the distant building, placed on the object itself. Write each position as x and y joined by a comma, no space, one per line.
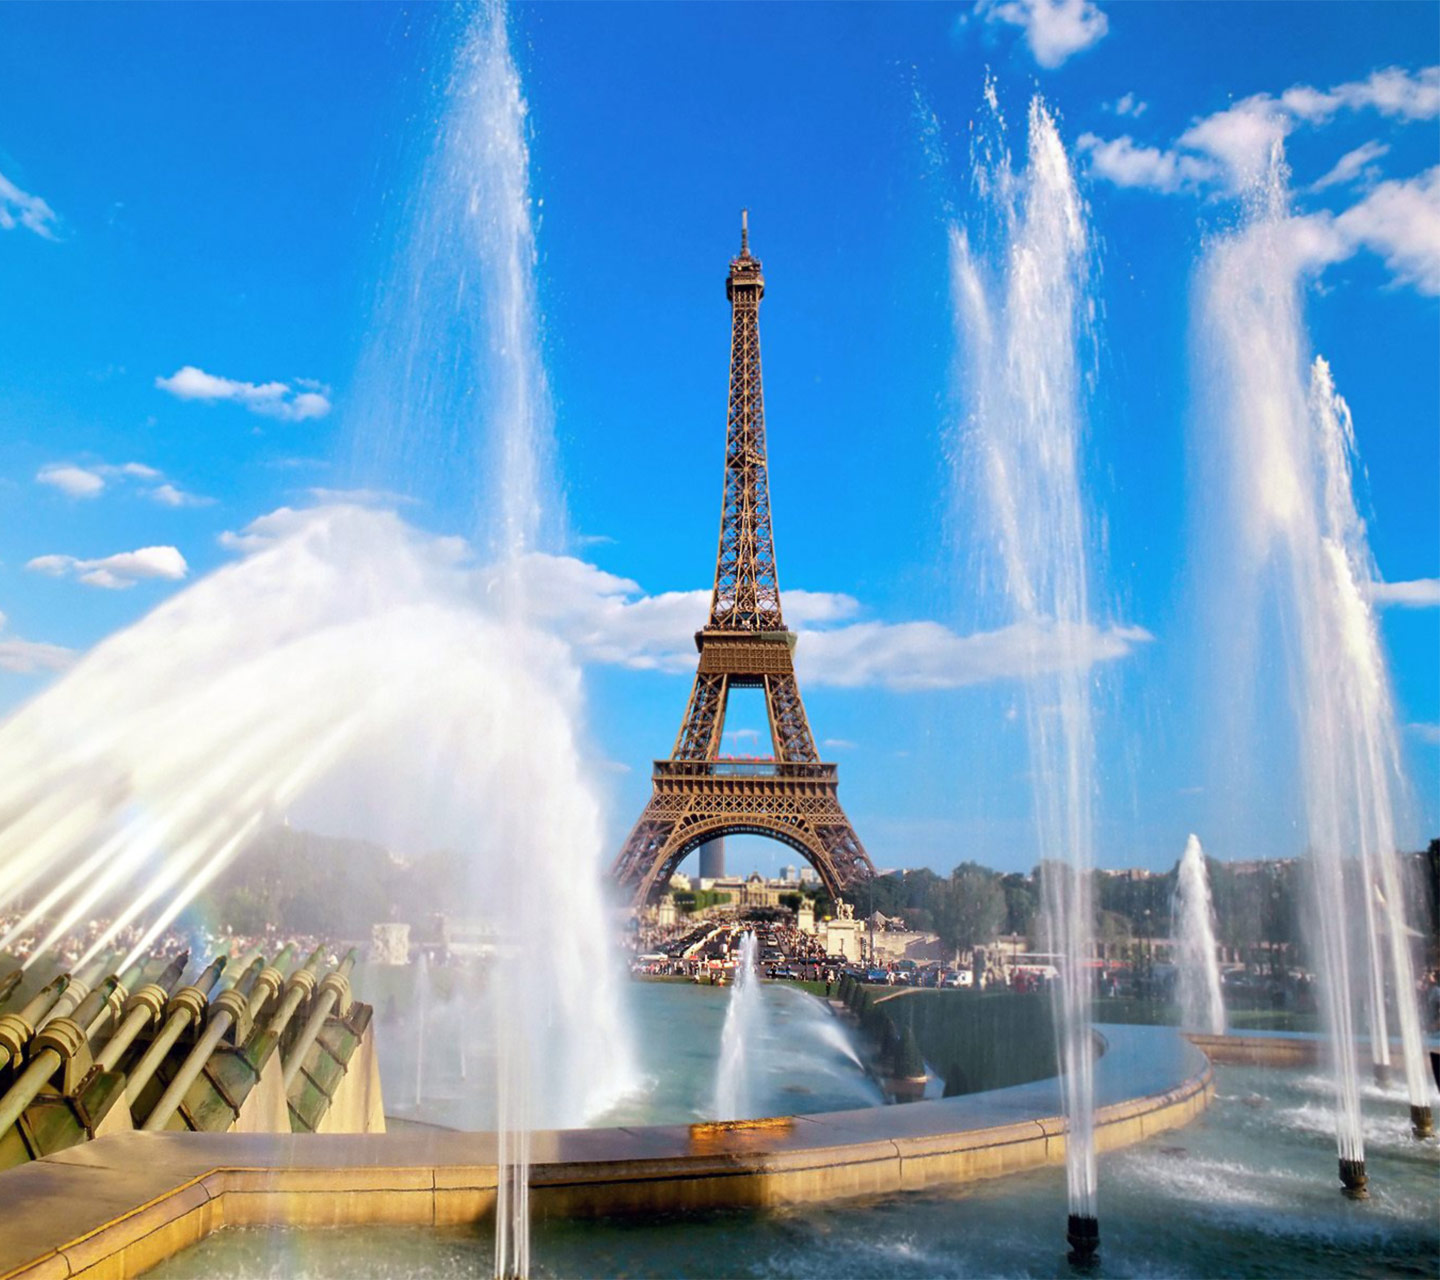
808,875
712,860
789,875
680,883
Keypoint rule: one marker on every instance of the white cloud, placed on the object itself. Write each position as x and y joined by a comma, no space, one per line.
167,495
20,208
1352,165
1054,29
1240,139
1392,91
1128,105
76,482
911,656
1419,593
1426,733
1127,164
118,571
1400,221
609,619
24,657
1234,146
272,399
90,481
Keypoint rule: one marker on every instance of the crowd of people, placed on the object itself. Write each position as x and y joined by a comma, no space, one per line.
203,945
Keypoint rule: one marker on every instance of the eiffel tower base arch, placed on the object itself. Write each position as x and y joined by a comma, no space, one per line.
698,801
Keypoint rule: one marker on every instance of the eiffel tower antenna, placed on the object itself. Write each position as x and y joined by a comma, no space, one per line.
698,796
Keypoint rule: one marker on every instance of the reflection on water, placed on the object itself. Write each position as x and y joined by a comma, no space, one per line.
1249,1189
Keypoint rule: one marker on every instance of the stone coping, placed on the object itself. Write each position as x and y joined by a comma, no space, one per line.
114,1207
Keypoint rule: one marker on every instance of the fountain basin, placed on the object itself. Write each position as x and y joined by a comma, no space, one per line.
119,1205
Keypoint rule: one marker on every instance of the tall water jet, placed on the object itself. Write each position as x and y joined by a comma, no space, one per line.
453,397
734,1095
1277,442
1198,979
1021,302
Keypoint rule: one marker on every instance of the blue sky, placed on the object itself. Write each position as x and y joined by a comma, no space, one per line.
197,203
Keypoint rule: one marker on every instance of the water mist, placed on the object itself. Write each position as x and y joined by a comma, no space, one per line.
1193,916
1278,440
734,1092
1021,302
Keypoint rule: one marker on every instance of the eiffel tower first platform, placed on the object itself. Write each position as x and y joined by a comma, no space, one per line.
697,796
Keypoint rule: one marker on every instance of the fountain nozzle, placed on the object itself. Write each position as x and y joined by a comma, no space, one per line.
1422,1124
1083,1233
1353,1181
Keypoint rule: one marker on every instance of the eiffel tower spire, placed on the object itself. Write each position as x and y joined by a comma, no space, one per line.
697,795
747,587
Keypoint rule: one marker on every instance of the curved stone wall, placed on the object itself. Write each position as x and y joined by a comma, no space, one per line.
117,1206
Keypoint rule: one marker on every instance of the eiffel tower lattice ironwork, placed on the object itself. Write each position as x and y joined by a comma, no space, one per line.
697,796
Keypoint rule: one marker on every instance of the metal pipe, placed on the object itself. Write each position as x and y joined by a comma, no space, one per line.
229,1007
297,989
334,986
141,1009
17,1028
183,1008
78,989
270,980
123,988
58,1041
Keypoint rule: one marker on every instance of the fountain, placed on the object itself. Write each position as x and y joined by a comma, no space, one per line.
1021,305
733,1090
1277,444
1198,980
141,773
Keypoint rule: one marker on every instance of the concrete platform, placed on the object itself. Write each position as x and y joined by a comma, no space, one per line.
114,1207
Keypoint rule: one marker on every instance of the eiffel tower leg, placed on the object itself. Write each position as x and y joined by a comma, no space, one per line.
641,857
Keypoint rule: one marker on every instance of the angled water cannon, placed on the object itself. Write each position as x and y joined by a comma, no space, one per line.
8,984
141,1010
17,1028
331,1076
271,979
333,990
125,984
183,1009
229,1012
60,1043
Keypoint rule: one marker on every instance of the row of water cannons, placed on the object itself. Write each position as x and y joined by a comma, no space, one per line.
71,1053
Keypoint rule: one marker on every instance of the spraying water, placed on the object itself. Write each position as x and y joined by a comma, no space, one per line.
457,401
1278,441
355,669
1201,1005
1021,309
733,1084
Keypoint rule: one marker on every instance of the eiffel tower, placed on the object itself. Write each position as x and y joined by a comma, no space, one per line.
697,796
